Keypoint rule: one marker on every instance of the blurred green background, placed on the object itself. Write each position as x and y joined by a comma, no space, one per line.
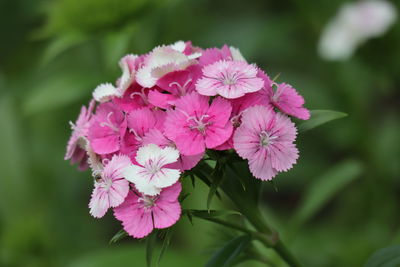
334,208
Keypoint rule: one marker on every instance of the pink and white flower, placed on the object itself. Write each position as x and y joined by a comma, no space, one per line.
265,139
110,187
151,175
230,79
106,91
195,125
77,143
141,213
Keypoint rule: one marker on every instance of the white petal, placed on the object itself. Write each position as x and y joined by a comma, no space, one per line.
165,177
179,46
169,155
147,152
135,174
236,55
105,92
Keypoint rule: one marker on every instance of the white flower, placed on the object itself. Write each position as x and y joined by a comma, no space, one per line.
152,176
353,25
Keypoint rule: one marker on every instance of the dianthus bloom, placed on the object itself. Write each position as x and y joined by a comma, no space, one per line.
230,79
110,187
265,139
141,213
151,175
167,110
195,125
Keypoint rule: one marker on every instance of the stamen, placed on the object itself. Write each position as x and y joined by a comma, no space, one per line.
181,89
142,95
137,137
108,123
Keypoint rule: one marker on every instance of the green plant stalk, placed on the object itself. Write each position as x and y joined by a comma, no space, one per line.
254,216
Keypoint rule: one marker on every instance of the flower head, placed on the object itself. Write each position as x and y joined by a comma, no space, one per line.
151,175
265,139
110,188
141,213
230,79
195,125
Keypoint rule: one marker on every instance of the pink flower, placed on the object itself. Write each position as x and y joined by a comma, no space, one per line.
139,122
155,136
211,55
77,142
151,174
287,100
135,97
110,188
195,125
174,85
230,79
106,128
265,139
140,213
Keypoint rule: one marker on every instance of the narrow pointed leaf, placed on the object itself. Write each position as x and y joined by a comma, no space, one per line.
319,117
118,236
166,242
150,246
226,255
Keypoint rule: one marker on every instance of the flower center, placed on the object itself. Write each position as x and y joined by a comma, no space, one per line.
147,201
152,167
199,124
266,139
142,95
228,78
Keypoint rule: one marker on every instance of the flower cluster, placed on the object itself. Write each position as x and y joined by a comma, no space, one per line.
160,117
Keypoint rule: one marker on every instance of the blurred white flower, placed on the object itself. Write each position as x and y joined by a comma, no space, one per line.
353,25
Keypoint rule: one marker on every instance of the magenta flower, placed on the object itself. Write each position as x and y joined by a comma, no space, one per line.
140,213
139,122
230,79
287,100
265,139
106,128
76,148
195,125
110,188
212,55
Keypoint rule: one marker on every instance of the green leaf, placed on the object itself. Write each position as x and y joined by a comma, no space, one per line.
325,187
319,117
217,177
118,236
226,255
385,257
211,213
165,244
151,241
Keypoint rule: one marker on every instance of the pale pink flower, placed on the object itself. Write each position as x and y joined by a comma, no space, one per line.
151,175
230,79
195,125
265,139
110,188
140,213
155,136
76,144
106,129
